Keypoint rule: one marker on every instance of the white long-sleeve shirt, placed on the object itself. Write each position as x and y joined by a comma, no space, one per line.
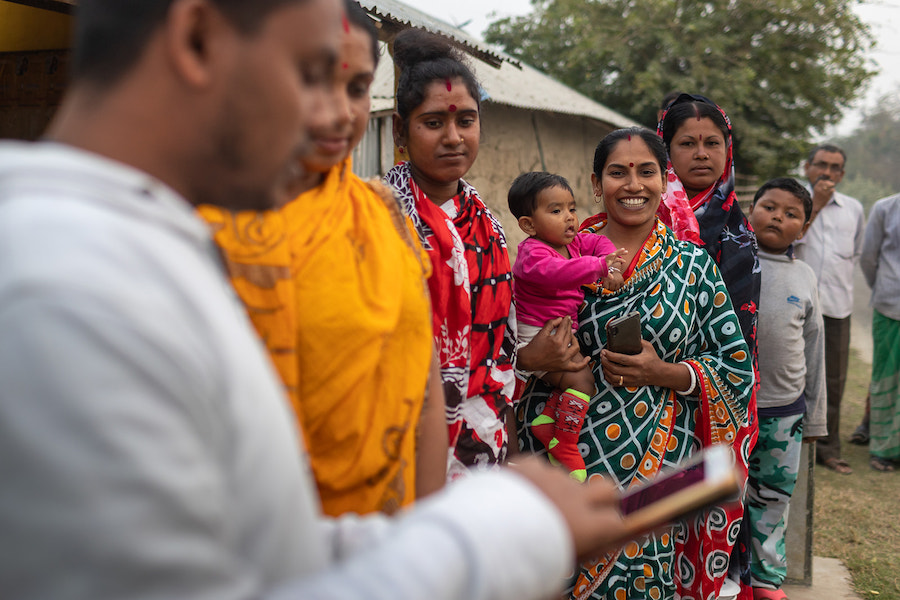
832,246
146,448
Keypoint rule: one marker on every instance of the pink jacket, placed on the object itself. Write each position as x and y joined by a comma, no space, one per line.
548,285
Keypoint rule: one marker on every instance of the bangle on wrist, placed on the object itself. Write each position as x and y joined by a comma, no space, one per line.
692,389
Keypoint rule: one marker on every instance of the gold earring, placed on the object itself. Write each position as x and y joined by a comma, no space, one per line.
598,198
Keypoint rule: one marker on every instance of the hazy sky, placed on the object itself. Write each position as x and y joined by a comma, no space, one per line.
882,16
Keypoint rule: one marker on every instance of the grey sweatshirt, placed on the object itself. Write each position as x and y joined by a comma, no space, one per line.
791,339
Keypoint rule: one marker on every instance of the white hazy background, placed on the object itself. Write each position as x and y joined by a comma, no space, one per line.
882,16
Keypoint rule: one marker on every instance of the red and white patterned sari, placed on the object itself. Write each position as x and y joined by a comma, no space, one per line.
471,294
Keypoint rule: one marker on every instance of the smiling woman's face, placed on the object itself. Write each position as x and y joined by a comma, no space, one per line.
443,133
698,153
631,183
337,131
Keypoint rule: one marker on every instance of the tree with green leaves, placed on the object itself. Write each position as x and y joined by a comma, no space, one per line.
873,152
782,69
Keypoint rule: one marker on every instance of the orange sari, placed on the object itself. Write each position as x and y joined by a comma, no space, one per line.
334,283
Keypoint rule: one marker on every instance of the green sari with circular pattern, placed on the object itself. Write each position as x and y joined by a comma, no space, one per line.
630,433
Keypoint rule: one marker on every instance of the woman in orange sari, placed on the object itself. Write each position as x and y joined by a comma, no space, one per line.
334,283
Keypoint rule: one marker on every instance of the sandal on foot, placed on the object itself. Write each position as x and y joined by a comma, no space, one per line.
860,436
767,594
838,465
881,464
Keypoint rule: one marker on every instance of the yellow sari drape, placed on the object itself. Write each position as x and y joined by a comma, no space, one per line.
334,283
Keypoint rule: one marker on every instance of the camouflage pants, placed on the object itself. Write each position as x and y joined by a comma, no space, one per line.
774,464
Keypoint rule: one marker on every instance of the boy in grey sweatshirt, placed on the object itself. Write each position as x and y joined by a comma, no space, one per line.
791,396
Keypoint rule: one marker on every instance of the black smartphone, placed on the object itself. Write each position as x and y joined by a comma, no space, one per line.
708,477
623,333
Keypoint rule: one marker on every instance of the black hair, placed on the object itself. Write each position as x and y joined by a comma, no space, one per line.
110,35
826,148
523,192
612,139
667,99
424,58
791,186
358,17
687,106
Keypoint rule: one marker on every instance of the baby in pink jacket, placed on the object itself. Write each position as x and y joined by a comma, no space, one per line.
551,266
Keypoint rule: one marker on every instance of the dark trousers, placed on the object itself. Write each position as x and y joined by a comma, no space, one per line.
837,356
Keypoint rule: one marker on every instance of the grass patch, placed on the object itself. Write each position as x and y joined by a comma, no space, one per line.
857,517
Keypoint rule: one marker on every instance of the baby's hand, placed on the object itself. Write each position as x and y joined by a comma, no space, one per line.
613,281
616,259
615,264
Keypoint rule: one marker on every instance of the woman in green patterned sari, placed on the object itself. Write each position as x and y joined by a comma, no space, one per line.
687,389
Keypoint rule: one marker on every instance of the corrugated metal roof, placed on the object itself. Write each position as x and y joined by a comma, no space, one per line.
524,87
511,82
400,16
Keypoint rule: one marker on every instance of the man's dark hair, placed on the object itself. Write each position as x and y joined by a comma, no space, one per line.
111,34
826,148
525,188
791,186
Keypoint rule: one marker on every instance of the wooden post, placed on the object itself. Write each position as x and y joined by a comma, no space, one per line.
799,533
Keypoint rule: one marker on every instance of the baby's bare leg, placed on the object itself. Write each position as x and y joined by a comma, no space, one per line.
581,380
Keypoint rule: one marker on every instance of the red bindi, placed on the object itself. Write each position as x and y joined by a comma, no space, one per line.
345,66
346,23
452,108
630,164
449,87
629,137
701,137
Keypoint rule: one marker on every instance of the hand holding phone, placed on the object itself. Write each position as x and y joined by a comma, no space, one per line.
623,334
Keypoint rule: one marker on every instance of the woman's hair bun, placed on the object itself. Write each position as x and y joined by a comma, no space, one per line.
413,46
424,58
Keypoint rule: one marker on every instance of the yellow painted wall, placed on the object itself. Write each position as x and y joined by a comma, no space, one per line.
27,28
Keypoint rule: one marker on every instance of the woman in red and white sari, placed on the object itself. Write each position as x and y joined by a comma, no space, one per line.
437,126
